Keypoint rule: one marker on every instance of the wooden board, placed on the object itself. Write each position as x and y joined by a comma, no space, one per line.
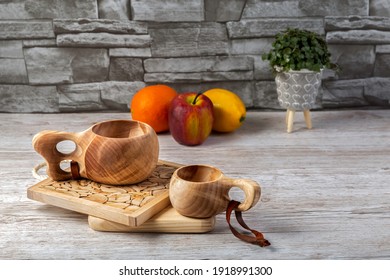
337,197
129,205
168,220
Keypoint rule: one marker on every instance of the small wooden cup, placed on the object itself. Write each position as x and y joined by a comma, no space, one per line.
201,191
116,152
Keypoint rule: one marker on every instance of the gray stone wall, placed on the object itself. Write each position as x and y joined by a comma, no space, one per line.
88,55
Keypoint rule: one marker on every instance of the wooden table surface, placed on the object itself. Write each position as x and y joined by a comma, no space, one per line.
325,191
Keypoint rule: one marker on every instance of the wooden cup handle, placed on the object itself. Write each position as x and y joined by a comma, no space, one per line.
45,143
251,190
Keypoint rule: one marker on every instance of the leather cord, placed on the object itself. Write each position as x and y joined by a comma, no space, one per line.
75,170
258,237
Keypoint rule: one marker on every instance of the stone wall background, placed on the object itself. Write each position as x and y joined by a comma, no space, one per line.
87,55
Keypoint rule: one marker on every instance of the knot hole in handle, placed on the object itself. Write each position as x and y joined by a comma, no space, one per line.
250,193
56,147
66,147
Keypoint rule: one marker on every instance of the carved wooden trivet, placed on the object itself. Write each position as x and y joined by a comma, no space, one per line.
130,204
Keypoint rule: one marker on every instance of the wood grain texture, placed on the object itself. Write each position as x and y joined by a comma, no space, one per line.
306,114
167,221
130,205
325,191
290,120
115,152
202,191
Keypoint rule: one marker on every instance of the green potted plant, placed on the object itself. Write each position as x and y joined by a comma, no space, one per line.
297,58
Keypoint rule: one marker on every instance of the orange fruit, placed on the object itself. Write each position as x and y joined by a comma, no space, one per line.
151,104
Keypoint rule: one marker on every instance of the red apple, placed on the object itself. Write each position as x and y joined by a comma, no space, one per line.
191,118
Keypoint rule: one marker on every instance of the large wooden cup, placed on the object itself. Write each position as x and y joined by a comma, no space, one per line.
202,191
114,152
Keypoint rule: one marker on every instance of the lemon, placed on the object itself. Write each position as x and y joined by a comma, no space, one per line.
229,110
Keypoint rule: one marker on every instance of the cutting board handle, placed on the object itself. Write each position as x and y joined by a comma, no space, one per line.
45,143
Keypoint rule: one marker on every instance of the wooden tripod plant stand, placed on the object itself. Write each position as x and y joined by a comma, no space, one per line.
290,119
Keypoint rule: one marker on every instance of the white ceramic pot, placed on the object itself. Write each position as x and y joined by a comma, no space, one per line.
297,90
